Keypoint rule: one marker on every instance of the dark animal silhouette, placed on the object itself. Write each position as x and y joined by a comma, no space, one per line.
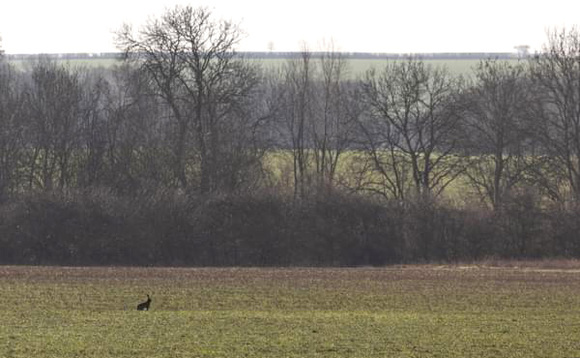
144,306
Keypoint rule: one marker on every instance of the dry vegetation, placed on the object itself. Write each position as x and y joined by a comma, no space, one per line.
188,155
413,311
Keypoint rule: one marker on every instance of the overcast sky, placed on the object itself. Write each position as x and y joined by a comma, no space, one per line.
399,26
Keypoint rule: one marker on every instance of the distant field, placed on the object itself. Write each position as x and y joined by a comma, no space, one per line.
415,311
360,66
90,63
357,66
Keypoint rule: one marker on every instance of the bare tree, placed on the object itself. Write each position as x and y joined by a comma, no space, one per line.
333,124
54,105
12,126
556,77
92,147
137,154
297,112
496,136
410,129
192,63
315,119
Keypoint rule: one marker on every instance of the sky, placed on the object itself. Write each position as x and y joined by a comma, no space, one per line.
400,26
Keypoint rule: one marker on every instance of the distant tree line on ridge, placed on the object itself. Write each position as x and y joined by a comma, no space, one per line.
187,154
290,54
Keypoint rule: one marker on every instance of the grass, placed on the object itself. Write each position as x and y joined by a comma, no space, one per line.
416,311
351,164
357,67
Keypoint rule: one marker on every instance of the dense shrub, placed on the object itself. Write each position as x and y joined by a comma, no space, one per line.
95,227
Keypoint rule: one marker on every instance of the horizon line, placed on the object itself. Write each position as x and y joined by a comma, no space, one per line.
285,54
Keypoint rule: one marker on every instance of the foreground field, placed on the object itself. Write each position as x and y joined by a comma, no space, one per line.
416,311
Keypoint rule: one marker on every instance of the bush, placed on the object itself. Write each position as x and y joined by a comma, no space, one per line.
96,227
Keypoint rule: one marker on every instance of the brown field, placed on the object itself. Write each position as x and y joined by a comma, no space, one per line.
491,309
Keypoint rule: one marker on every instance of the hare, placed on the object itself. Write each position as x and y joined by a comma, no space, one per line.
144,306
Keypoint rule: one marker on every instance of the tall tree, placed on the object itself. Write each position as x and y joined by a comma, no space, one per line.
556,77
410,128
54,103
497,109
137,155
314,117
333,124
297,115
191,61
12,126
92,132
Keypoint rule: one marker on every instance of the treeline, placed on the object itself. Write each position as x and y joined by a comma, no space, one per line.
260,55
188,154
